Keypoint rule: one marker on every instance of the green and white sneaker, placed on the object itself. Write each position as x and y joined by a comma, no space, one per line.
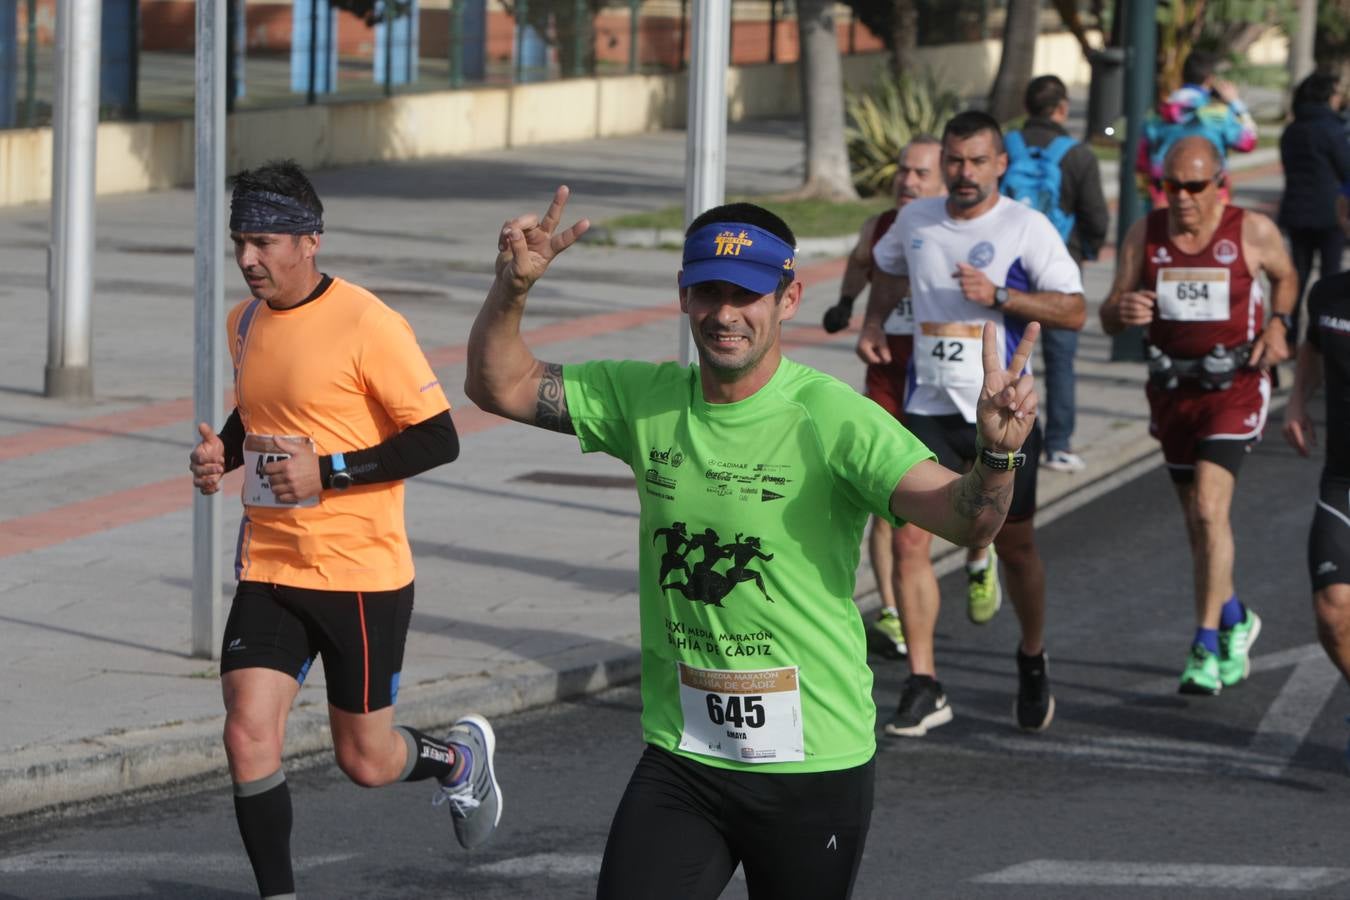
984,594
1235,645
1201,675
889,635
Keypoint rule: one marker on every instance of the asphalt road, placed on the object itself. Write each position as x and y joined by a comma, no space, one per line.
1135,791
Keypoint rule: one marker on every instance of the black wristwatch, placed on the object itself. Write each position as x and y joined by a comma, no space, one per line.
341,479
1000,297
1287,319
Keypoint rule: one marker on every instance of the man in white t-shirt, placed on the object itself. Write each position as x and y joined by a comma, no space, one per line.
972,257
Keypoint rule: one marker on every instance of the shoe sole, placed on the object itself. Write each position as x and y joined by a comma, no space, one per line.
1198,690
926,724
884,646
1045,723
1247,662
489,738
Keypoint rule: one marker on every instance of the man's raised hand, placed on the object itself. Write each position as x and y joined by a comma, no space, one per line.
527,244
1007,409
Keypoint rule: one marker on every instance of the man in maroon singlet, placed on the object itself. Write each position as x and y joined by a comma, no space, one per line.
1189,274
918,174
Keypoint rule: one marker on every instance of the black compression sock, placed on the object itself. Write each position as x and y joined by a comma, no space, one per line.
427,757
263,810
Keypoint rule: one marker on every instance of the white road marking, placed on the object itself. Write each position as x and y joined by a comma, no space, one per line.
1167,875
97,863
1291,716
556,865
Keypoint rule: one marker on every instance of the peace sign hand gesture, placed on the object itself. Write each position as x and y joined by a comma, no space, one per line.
1006,411
527,244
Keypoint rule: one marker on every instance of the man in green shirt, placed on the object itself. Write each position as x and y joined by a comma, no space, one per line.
756,476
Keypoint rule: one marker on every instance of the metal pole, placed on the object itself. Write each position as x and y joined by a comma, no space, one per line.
684,34
30,69
634,19
773,31
69,371
208,317
705,147
312,91
580,32
456,59
522,22
389,49
1140,58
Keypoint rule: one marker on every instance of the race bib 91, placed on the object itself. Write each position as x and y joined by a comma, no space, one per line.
901,319
751,716
1193,295
259,450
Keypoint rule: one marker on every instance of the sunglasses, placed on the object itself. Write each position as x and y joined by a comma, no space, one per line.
1172,186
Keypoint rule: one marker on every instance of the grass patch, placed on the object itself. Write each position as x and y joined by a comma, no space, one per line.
806,218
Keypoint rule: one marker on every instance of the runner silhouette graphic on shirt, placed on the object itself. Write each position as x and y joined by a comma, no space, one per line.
677,548
704,583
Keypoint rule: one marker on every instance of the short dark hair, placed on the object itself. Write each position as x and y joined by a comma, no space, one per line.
280,176
970,123
1316,88
1199,67
1044,95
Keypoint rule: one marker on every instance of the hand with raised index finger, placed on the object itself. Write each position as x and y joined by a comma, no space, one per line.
527,244
1006,411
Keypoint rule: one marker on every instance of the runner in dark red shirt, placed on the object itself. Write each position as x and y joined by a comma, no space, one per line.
1188,273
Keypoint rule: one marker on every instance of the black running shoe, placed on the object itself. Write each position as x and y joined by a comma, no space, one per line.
1035,706
922,706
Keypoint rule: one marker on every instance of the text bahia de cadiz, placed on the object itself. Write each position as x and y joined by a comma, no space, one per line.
692,637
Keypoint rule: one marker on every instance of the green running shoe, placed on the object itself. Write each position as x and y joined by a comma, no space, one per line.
984,595
1201,675
889,635
1235,646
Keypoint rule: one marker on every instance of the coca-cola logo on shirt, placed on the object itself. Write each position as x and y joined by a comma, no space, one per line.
1226,252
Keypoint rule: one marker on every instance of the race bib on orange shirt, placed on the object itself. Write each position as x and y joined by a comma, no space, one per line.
259,450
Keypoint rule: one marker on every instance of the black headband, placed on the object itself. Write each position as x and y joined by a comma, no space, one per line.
265,212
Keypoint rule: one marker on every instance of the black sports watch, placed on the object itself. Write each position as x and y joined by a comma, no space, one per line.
1000,297
341,479
1003,461
1287,319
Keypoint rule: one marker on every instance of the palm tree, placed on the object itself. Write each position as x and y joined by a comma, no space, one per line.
822,84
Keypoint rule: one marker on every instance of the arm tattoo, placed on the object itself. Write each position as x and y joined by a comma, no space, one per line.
551,411
972,496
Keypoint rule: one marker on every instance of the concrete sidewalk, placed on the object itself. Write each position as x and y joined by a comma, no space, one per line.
525,548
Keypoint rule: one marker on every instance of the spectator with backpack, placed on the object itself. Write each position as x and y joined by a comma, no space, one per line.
1059,176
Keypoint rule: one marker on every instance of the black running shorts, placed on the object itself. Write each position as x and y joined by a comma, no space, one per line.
359,634
1329,540
952,439
682,827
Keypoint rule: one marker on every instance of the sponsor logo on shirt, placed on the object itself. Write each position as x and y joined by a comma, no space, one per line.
656,478
1326,567
981,255
1161,257
765,495
916,243
1225,251
1334,323
667,457
1252,420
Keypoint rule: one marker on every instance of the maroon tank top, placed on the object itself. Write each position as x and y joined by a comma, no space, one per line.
1206,298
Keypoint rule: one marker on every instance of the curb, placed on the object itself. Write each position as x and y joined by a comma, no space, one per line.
48,780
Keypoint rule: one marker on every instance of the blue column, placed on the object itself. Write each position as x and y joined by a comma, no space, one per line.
9,60
398,39
119,58
237,22
304,15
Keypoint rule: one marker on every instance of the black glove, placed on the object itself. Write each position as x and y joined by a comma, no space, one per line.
836,317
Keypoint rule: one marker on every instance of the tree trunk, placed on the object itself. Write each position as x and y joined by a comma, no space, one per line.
822,83
1014,66
904,37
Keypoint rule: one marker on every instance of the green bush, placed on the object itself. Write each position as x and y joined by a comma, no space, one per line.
882,119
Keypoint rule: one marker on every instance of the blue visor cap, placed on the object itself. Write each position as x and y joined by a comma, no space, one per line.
744,255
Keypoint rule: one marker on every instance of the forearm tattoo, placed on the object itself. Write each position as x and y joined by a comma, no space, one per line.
551,411
972,496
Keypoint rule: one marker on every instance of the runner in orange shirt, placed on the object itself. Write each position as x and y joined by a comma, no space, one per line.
336,405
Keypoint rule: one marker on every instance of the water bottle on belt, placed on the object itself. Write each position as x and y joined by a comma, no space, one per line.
1161,372
1219,366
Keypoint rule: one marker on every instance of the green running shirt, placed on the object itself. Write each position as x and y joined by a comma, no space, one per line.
753,653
